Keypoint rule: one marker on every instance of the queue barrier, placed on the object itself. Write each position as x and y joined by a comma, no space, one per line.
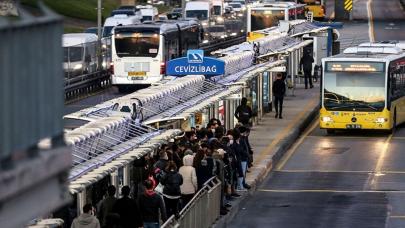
203,209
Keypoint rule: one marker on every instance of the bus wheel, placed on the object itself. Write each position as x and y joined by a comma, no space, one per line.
394,125
330,131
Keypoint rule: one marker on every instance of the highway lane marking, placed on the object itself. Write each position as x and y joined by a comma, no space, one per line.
326,191
397,216
348,137
291,151
377,171
284,133
338,171
370,21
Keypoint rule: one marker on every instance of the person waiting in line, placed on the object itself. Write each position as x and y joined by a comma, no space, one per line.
243,112
87,219
106,206
189,186
172,181
306,64
279,92
151,204
127,210
242,157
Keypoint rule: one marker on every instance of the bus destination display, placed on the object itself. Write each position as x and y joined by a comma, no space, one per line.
354,67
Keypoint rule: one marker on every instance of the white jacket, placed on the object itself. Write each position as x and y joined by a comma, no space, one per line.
187,171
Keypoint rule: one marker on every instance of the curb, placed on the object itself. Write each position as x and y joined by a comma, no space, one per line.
280,149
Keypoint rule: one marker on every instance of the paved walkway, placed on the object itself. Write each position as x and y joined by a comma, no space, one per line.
271,138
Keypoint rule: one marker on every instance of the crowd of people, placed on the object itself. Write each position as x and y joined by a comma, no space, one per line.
176,173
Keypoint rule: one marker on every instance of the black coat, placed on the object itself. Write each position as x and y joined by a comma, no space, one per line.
171,182
279,88
306,62
243,113
205,170
128,211
151,204
241,150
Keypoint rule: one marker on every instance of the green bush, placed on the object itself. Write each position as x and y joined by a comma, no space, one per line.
81,9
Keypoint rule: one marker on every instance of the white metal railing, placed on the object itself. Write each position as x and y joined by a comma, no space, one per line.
203,209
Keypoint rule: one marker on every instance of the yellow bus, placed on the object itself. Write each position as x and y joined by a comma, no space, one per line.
266,15
317,7
364,88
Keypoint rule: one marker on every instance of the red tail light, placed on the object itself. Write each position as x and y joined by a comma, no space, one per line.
112,68
162,68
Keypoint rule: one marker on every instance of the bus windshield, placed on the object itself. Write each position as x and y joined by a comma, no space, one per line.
354,86
107,31
262,19
199,14
137,43
217,10
72,54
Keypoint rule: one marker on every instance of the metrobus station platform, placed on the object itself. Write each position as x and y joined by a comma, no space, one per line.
271,138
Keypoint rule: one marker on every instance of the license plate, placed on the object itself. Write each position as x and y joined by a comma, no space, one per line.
137,78
353,126
136,73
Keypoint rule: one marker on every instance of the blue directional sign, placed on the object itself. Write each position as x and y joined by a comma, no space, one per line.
195,64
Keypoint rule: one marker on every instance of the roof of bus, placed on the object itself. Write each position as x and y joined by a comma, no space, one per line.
366,57
166,26
277,5
197,5
73,39
121,19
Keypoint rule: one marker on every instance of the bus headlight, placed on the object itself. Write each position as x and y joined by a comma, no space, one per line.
326,119
381,120
78,66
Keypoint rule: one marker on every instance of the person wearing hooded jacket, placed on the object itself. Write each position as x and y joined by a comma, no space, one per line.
172,181
151,204
87,219
189,186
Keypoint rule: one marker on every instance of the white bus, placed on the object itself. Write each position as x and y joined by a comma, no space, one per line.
140,52
80,54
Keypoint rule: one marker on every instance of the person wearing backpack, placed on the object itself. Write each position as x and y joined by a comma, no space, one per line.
171,182
243,112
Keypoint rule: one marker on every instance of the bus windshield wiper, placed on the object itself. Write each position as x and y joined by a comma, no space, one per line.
341,106
362,103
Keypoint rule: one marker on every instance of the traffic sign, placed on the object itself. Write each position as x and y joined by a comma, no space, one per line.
195,64
348,5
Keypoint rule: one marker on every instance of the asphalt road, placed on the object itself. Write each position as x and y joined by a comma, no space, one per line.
92,100
351,179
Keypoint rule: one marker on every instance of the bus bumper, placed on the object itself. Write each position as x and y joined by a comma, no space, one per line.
141,80
355,120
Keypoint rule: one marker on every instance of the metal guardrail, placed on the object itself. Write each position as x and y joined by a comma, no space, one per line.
86,83
202,211
221,44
